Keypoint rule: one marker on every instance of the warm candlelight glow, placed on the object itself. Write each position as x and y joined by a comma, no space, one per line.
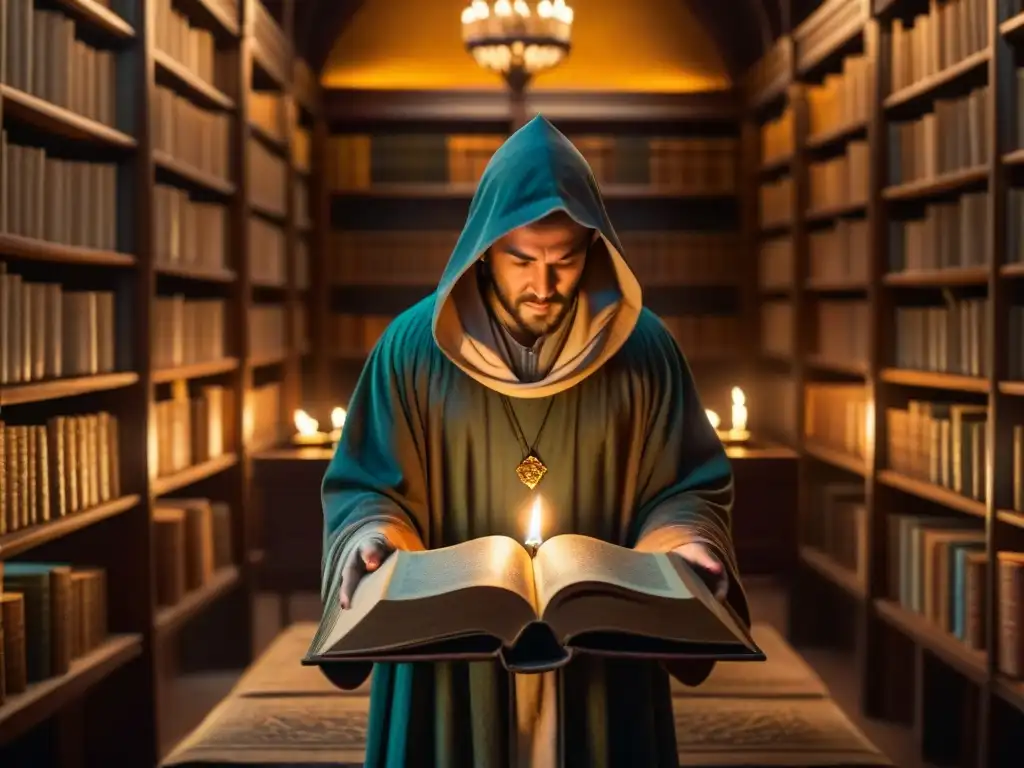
338,415
305,424
714,418
533,535
739,410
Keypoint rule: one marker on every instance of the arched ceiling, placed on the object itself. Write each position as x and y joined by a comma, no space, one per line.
715,41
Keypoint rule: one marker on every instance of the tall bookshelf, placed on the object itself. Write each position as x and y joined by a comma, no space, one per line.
907,362
136,379
401,175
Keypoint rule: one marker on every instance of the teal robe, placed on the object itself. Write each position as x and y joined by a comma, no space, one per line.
428,457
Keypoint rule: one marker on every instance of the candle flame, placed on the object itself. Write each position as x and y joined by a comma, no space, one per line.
338,416
714,418
304,423
738,398
739,409
533,537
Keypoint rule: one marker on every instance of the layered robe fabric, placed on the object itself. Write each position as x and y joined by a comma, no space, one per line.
428,458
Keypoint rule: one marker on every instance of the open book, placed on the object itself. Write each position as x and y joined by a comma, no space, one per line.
487,597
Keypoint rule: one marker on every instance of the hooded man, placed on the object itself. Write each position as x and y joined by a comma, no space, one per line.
534,357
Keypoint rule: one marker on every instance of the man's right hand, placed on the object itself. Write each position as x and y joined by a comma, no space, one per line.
366,557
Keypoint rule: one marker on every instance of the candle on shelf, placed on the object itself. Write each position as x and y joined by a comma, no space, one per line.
307,430
738,433
337,422
533,535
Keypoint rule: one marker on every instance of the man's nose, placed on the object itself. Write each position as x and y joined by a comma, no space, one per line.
543,281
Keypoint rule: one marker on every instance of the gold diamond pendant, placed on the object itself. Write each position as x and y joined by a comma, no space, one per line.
530,471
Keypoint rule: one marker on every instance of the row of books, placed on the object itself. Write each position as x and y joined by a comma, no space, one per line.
939,37
71,202
47,332
683,165
844,332
51,614
838,254
190,134
948,339
62,467
705,336
838,526
954,137
266,110
418,258
842,99
776,202
302,265
192,542
941,443
300,203
268,179
302,149
777,136
937,567
838,416
268,332
194,47
775,267
189,427
266,410
189,232
841,180
1015,222
188,331
45,58
1015,343
947,234
267,258
777,329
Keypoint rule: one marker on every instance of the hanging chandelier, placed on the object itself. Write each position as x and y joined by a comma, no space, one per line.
516,40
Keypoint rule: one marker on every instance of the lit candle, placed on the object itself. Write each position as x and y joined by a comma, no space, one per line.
307,429
337,422
533,536
739,416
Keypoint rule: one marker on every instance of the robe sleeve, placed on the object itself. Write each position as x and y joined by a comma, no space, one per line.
376,482
685,486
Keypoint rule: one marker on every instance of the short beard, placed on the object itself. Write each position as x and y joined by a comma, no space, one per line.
512,308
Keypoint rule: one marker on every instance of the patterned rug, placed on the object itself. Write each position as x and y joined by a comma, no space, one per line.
775,713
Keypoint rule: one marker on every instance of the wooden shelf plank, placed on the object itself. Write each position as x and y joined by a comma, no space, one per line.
41,391
99,17
937,278
954,181
1014,270
836,212
930,380
30,249
171,618
43,699
1010,517
268,139
199,274
775,164
193,85
1012,27
177,481
854,464
192,175
53,119
1015,388
836,286
967,661
932,492
1010,691
826,566
924,88
836,135
834,366
268,360
226,24
195,370
17,542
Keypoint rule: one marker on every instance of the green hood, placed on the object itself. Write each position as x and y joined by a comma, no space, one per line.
537,171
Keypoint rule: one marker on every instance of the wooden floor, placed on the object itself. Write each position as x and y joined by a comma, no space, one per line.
197,694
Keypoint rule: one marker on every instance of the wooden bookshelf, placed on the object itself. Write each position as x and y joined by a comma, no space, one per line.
860,483
142,274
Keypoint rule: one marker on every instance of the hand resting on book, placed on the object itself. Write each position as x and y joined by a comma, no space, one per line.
707,566
365,557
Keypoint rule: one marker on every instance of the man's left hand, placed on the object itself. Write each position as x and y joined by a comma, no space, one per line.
700,557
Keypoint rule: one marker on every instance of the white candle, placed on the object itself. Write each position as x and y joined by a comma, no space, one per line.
533,530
